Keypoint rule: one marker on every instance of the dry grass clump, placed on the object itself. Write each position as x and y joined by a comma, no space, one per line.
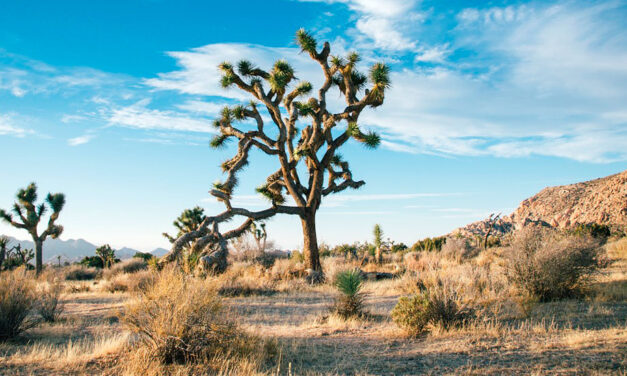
129,266
440,306
81,273
180,320
17,300
458,249
49,304
136,282
549,266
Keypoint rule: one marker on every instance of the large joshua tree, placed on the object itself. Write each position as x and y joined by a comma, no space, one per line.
29,214
304,137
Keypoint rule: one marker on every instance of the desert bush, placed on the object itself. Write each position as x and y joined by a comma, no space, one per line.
180,320
351,300
118,283
141,281
266,260
429,244
49,304
129,266
297,256
595,230
78,288
457,249
550,266
17,300
81,273
144,256
440,306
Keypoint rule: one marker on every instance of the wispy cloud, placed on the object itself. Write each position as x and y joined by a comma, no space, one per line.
80,140
8,128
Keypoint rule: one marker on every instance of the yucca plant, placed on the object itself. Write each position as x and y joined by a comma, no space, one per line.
350,302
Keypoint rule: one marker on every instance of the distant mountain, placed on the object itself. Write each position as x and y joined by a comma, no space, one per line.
159,252
602,201
72,249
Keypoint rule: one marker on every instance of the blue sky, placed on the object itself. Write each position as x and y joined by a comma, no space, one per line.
111,101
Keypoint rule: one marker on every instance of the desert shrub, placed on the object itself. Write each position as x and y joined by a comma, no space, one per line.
457,249
17,300
49,304
118,283
141,281
595,230
297,256
351,300
266,260
78,288
434,307
81,273
144,256
429,244
550,266
180,320
129,266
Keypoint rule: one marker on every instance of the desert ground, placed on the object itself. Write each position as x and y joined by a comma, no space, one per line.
301,335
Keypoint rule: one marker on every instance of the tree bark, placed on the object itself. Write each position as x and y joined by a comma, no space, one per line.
310,249
38,255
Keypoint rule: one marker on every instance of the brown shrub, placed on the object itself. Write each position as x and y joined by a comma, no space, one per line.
551,266
49,304
17,300
129,266
180,320
81,273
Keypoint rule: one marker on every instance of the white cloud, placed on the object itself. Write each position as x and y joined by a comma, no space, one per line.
8,128
80,140
140,116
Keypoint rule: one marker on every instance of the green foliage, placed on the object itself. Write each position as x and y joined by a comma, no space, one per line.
306,41
297,256
378,235
189,220
412,313
92,262
350,302
400,247
106,254
596,230
219,141
429,244
380,75
144,256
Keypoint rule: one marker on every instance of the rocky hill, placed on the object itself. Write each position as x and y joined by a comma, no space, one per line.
602,201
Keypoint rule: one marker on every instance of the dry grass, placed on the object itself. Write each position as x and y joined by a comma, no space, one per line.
296,334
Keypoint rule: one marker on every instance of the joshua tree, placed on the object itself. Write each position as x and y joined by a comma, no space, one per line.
304,139
189,220
4,244
260,235
490,224
106,254
30,214
378,243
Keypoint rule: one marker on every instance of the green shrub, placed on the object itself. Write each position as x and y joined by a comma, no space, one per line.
551,266
17,300
595,230
429,244
351,299
412,313
144,256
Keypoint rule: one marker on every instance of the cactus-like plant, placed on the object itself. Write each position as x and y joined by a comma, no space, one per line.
351,300
29,214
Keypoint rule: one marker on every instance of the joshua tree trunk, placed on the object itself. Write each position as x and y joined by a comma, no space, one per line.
310,249
38,254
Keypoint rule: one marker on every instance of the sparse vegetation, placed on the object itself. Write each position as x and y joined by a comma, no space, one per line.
552,266
81,273
49,304
17,299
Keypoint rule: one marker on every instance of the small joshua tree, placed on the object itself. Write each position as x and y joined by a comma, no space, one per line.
106,254
29,214
378,243
260,235
350,302
305,137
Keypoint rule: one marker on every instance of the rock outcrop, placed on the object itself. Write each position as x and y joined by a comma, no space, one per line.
602,201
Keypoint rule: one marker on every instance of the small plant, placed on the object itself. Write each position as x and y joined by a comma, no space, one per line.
351,300
550,266
17,300
129,266
438,306
49,304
